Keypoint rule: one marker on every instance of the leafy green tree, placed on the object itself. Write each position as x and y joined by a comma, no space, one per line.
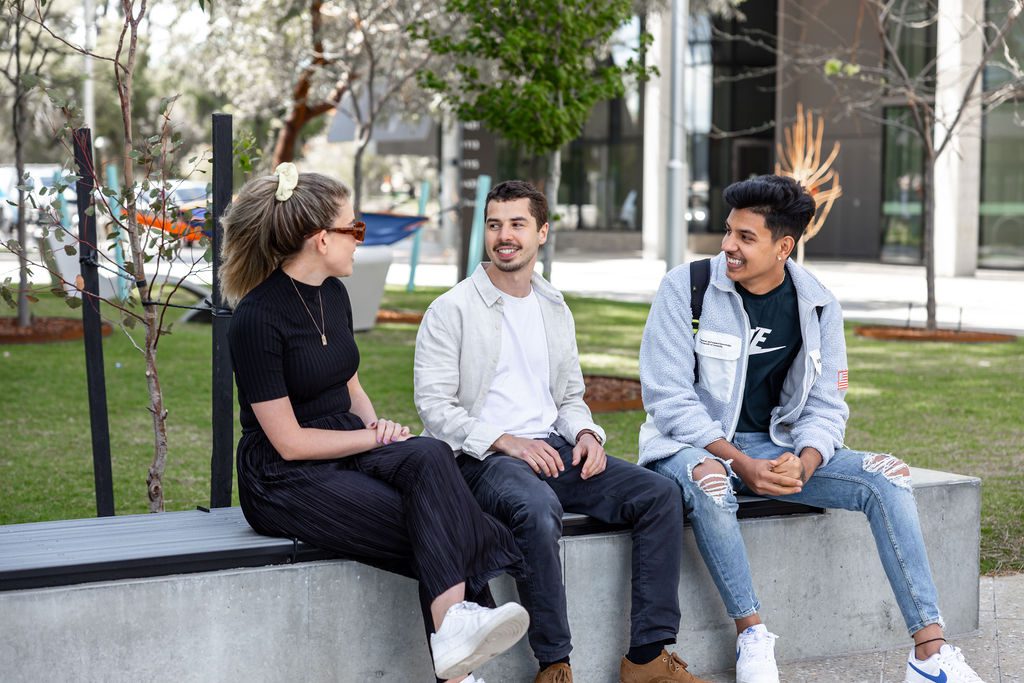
146,154
28,53
313,58
532,70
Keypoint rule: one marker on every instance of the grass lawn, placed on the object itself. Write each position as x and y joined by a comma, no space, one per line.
944,406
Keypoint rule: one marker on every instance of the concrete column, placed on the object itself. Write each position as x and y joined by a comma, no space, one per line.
958,168
656,118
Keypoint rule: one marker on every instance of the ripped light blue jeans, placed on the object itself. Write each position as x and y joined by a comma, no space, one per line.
852,480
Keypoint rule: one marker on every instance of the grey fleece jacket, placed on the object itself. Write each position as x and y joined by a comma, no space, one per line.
812,410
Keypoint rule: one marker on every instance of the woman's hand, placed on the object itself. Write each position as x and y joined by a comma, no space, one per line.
388,431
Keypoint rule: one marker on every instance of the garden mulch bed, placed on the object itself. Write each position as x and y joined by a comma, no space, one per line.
893,333
43,330
609,394
406,317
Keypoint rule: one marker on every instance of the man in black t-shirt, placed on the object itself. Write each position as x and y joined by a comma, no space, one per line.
774,342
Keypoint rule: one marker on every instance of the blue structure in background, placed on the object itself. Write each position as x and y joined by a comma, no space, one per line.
381,228
414,257
476,235
388,228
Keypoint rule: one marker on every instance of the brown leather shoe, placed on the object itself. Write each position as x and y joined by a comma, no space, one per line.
556,673
667,668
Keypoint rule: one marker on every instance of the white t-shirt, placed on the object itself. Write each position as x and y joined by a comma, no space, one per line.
519,401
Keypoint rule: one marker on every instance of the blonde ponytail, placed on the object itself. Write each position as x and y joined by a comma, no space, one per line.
261,231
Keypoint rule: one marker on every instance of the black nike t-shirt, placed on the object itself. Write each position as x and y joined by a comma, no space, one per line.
774,342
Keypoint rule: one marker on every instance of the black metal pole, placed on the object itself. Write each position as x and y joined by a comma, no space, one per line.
223,383
92,325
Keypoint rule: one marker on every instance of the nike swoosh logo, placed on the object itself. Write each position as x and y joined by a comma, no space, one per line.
941,678
737,654
754,350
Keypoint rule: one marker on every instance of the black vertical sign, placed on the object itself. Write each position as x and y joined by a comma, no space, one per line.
91,323
223,384
479,157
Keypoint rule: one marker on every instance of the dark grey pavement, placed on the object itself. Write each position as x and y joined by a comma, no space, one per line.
996,650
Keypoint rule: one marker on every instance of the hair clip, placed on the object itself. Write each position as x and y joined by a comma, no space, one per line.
287,179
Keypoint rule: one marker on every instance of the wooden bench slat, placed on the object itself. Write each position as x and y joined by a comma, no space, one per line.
136,536
65,552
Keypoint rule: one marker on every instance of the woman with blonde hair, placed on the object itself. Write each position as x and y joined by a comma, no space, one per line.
315,461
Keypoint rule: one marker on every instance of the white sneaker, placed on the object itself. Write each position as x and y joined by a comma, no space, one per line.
470,635
755,656
473,679
945,666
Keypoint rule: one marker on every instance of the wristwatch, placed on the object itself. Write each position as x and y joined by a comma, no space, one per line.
592,433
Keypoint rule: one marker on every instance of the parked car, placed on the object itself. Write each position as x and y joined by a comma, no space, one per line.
39,176
182,211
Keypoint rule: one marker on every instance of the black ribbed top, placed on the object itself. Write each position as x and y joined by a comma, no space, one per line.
276,349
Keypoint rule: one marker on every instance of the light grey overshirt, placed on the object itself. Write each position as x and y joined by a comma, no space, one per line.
457,350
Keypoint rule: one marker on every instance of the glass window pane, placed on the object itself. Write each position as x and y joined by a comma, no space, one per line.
902,196
1001,239
997,72
913,30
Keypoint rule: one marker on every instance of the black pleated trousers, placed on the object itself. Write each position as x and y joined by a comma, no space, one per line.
403,507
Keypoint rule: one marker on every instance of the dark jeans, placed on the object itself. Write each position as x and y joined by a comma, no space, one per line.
531,505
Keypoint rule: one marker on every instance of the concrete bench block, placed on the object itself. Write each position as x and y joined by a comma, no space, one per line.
818,577
366,284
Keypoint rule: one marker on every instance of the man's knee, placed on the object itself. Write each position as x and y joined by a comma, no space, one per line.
712,479
664,492
892,468
537,513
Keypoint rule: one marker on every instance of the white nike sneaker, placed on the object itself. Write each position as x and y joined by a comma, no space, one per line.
945,666
470,635
755,656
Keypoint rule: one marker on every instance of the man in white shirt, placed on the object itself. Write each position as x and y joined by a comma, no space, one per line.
497,376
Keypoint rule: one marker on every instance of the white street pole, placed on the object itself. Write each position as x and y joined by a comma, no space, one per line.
677,198
88,101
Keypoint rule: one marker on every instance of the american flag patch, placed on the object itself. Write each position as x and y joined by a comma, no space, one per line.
844,380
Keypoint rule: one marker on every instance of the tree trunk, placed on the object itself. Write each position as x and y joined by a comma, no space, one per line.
155,477
287,137
362,141
17,113
151,318
24,314
151,315
551,192
928,238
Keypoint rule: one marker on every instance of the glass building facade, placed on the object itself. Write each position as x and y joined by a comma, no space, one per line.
731,95
902,152
1001,234
730,106
902,189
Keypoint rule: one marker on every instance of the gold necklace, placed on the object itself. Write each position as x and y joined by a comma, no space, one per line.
322,329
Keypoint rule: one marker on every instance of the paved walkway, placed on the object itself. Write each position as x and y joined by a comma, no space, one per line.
996,650
869,292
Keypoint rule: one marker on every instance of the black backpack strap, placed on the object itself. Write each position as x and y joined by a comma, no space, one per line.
700,276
